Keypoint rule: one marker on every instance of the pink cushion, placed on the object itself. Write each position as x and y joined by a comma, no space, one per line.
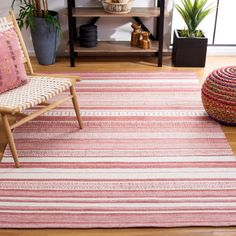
12,70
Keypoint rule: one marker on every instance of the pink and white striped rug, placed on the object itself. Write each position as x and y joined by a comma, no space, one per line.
148,156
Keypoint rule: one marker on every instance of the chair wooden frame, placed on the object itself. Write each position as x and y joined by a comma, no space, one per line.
5,111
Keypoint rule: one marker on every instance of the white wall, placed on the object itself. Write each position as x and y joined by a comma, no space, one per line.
118,29
229,35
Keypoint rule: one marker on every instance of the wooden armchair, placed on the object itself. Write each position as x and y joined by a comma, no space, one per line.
37,91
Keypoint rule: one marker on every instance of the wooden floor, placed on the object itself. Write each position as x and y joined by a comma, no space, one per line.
129,64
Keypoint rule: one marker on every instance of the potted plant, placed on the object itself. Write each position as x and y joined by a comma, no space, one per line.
44,27
190,45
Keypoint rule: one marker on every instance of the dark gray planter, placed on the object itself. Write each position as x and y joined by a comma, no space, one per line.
189,52
45,38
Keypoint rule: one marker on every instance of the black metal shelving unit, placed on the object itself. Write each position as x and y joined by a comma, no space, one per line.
157,12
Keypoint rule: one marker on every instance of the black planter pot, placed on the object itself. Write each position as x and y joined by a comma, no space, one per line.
88,36
88,39
88,28
88,44
45,38
189,52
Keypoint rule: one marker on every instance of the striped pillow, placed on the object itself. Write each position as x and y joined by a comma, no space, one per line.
12,70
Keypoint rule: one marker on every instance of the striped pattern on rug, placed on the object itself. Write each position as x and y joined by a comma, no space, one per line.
148,156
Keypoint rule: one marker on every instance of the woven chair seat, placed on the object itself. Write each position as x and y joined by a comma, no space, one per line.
39,89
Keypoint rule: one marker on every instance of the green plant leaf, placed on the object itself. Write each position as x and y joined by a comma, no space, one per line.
193,12
29,9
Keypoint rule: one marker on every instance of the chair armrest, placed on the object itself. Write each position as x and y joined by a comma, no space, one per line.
74,78
8,110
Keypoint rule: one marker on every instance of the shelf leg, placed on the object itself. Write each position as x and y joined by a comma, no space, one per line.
160,30
72,30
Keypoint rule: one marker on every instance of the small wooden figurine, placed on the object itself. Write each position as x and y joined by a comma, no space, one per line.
135,36
145,42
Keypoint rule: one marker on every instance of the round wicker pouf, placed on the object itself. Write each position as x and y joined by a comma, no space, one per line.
219,95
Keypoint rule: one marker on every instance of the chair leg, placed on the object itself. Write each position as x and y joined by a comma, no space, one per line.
76,106
1,155
10,139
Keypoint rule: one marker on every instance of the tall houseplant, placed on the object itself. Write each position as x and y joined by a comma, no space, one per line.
44,27
190,45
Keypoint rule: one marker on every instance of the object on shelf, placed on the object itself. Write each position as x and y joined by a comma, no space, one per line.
120,1
145,42
88,36
117,8
135,35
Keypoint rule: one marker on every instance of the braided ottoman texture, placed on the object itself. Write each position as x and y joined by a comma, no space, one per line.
219,95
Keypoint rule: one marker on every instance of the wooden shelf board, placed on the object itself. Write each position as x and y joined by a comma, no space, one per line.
115,46
99,12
